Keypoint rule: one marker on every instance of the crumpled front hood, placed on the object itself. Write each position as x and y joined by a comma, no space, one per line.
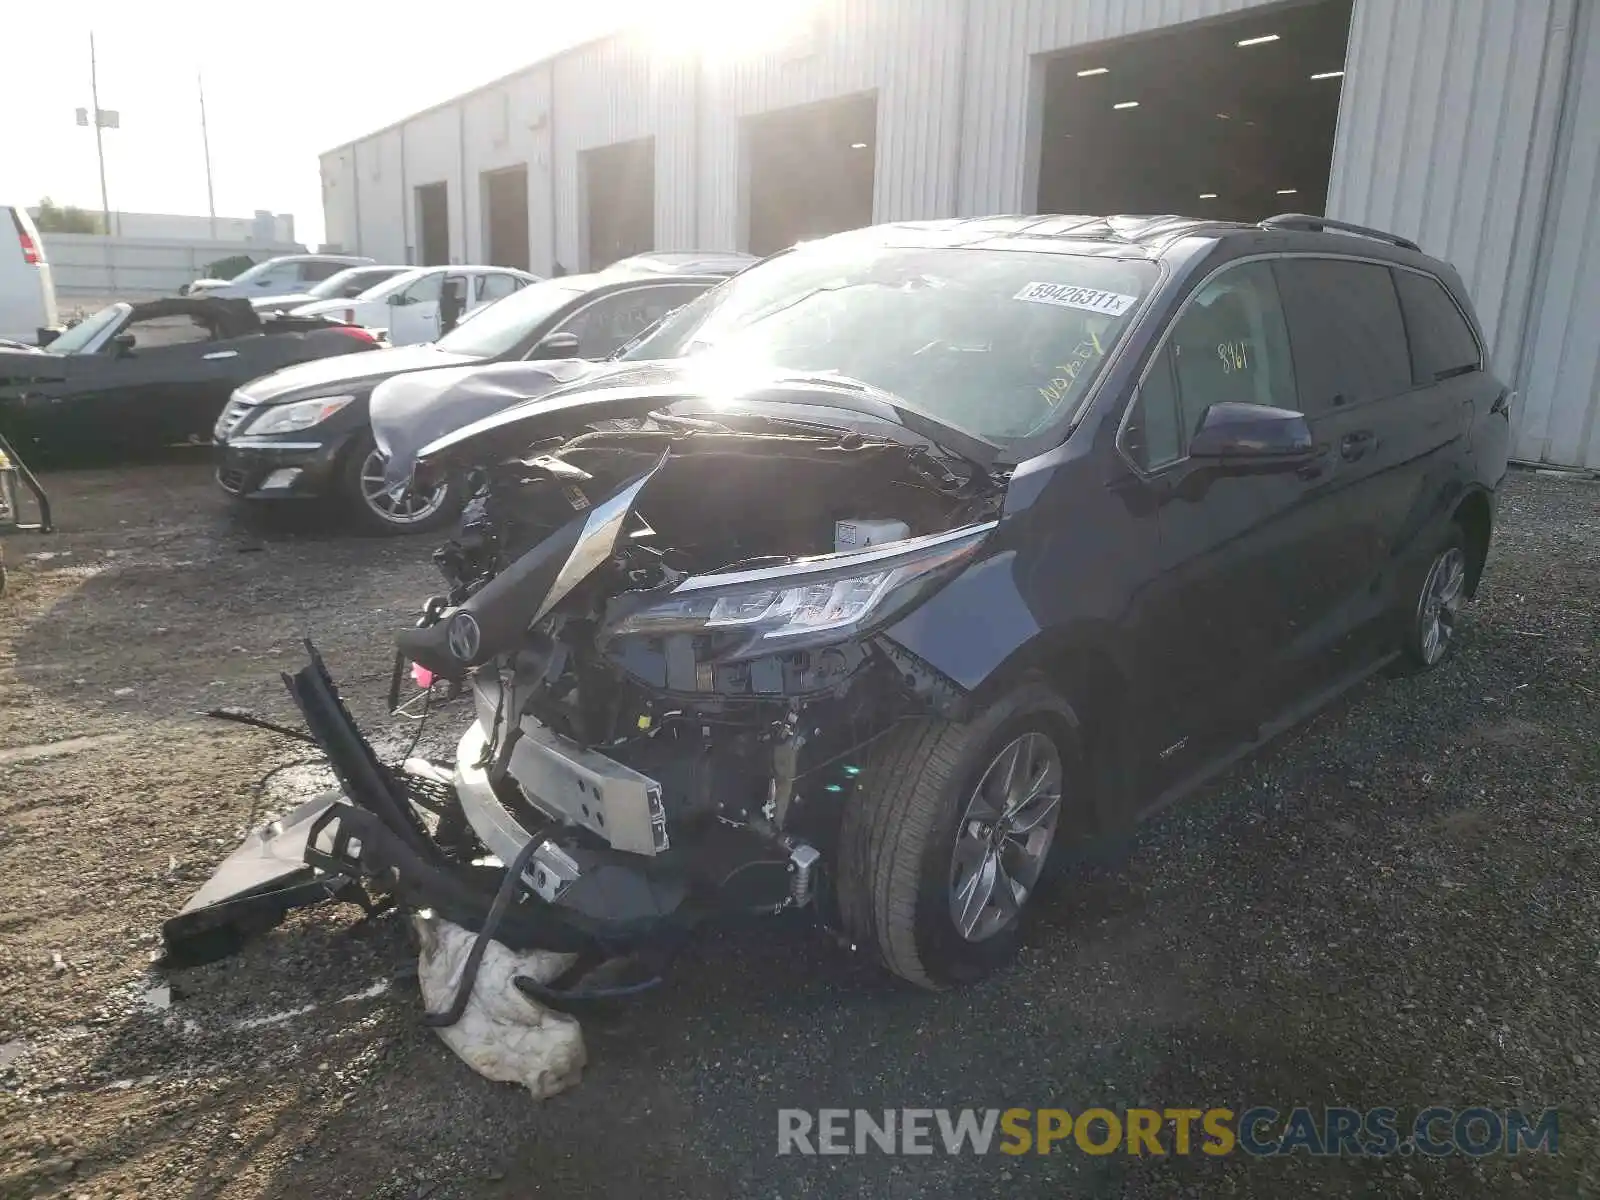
478,415
316,376
413,410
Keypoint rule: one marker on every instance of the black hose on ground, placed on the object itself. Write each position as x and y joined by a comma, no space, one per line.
497,910
239,717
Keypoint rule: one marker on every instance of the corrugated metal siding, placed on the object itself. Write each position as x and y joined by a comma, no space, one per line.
1560,418
341,218
1446,135
906,51
433,155
615,91
380,176
1004,81
506,126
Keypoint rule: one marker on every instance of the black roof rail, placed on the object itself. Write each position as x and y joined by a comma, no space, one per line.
1318,224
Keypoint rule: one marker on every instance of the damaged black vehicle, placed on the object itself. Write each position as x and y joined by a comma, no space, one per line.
899,564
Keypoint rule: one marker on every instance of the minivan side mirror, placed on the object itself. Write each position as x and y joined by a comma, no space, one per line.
1252,433
122,345
556,345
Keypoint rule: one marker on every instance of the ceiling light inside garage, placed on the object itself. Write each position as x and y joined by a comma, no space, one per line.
1329,75
1093,71
1287,191
1208,195
1127,104
1258,41
858,145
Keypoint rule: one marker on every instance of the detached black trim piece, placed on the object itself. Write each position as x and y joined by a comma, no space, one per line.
364,779
363,845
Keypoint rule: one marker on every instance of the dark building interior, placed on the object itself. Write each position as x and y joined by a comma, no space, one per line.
620,186
1191,121
433,224
505,212
810,170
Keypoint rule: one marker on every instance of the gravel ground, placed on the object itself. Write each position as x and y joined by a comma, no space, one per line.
1395,904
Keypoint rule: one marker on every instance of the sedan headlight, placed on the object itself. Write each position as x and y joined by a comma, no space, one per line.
746,614
302,414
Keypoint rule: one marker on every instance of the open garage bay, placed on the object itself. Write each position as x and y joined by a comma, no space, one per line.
1231,119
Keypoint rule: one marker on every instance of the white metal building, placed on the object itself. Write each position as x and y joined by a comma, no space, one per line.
1472,126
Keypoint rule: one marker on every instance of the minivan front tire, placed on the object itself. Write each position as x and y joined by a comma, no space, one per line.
945,839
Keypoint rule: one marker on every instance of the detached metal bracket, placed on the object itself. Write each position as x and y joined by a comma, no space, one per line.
12,471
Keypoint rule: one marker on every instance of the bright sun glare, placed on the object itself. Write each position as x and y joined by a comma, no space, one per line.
723,29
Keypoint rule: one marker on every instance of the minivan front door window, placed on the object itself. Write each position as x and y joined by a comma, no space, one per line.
1231,345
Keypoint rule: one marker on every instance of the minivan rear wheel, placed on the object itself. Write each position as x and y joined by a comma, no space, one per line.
946,838
1433,604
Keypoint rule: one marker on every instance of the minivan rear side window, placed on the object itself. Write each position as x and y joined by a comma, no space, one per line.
1442,343
1349,338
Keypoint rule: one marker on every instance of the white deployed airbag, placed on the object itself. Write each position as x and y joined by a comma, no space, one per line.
503,1035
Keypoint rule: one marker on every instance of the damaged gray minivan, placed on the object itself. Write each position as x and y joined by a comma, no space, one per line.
890,566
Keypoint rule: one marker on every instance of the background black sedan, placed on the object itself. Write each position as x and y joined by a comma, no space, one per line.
134,377
303,433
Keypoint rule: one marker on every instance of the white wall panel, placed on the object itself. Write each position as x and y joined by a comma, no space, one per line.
1447,136
379,182
909,52
1560,413
433,155
508,125
618,90
341,213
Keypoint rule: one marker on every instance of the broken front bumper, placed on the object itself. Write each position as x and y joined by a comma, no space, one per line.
372,831
596,873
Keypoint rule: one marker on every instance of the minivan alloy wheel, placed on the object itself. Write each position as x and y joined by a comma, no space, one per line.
1004,835
1440,603
397,504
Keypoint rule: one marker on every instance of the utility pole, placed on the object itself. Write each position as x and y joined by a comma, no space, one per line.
99,141
205,141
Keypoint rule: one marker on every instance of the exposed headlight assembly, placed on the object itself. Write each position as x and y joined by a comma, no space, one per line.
816,600
302,414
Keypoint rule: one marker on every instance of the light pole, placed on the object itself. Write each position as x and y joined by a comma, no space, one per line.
103,119
205,142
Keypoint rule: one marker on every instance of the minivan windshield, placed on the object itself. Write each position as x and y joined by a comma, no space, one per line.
86,331
1000,343
497,327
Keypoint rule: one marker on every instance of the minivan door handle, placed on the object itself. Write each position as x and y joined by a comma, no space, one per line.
220,354
1353,445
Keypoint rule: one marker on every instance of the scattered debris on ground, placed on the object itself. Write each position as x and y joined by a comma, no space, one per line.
1396,904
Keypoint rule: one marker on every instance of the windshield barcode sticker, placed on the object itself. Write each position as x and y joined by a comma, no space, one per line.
1112,304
